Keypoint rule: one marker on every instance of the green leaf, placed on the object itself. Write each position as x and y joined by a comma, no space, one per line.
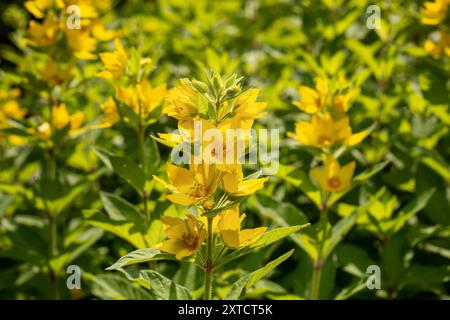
338,233
114,287
129,171
104,156
353,259
55,197
249,280
127,114
301,180
282,214
435,276
152,156
77,242
160,286
367,174
140,256
411,209
123,167
124,229
119,209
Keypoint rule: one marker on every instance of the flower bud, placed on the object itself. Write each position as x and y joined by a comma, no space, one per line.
233,91
200,86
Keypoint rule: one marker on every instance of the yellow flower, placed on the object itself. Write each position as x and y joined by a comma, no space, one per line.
331,177
443,45
99,31
313,101
143,98
61,118
44,131
230,229
9,106
194,186
185,236
45,33
150,97
341,102
115,62
247,108
215,222
81,43
324,131
110,113
235,184
128,96
182,102
76,121
53,74
435,12
220,143
38,7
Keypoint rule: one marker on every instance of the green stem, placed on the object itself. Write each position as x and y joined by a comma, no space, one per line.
52,223
53,252
51,163
209,263
141,139
315,286
319,263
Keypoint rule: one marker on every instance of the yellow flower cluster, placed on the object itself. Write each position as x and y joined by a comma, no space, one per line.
210,185
54,27
329,127
435,13
140,95
60,120
10,108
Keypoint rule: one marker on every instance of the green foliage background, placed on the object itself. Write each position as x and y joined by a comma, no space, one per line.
397,218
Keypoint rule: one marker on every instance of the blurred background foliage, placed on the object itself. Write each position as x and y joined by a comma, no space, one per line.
403,221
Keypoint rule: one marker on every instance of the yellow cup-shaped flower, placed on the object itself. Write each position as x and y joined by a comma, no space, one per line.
61,118
436,49
230,230
185,236
235,184
45,33
435,12
194,186
115,62
110,113
331,177
313,100
54,74
182,102
323,132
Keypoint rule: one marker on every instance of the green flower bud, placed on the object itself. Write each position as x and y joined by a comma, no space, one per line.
200,86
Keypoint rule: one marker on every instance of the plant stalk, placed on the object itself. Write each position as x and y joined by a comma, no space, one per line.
209,263
318,265
52,223
315,285
141,147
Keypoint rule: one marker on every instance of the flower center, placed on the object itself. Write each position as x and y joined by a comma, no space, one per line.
198,191
324,140
334,182
189,239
